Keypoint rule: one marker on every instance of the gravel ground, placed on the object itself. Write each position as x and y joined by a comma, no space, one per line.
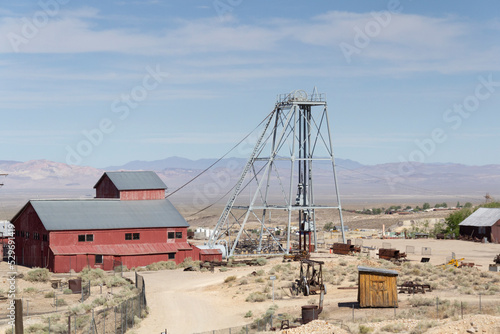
486,324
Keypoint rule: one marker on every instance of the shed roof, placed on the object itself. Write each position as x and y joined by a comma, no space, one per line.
482,217
98,214
121,249
377,270
138,180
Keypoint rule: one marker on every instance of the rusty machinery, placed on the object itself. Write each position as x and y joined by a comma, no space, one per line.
310,279
391,254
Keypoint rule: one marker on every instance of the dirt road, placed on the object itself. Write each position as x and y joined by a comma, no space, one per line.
182,302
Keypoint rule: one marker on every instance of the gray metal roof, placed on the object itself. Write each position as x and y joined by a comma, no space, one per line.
482,217
106,214
377,270
134,180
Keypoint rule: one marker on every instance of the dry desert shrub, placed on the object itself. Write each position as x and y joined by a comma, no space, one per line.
256,297
162,265
38,275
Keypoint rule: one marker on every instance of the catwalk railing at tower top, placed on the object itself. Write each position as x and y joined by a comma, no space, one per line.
300,95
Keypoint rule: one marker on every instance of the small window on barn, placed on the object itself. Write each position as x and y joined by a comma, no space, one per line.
171,256
137,236
171,235
98,259
178,235
89,237
45,237
128,236
27,235
81,237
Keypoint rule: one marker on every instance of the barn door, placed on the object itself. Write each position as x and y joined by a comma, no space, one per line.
379,293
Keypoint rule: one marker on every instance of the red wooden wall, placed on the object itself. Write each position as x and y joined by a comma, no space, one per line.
30,251
106,189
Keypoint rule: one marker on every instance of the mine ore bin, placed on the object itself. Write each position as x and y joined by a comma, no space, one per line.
390,253
309,313
75,285
344,249
377,287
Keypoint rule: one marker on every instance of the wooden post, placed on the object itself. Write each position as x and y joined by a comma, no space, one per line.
19,316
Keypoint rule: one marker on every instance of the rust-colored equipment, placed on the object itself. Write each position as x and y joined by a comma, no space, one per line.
75,285
311,278
345,249
411,287
311,312
391,254
296,255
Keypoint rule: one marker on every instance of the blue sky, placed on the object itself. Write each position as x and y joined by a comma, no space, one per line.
103,83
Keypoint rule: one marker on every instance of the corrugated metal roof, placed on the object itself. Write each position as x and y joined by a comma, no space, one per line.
482,217
135,180
99,214
120,249
377,270
210,251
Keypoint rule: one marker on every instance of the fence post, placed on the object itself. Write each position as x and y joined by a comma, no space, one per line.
104,321
352,312
49,325
462,309
27,308
69,324
437,307
114,308
479,303
133,311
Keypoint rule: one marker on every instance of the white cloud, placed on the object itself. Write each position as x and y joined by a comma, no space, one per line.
408,43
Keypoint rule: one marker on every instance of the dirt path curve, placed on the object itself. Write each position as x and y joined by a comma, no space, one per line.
188,306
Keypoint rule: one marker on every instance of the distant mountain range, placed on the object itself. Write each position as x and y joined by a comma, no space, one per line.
183,163
357,182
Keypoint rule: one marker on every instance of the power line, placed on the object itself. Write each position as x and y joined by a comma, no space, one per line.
218,160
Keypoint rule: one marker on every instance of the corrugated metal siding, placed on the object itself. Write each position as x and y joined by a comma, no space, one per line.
482,217
29,251
106,214
121,249
106,189
139,195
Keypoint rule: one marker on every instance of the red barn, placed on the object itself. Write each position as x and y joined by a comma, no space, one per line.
129,222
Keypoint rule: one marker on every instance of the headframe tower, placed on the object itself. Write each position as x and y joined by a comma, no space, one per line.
292,158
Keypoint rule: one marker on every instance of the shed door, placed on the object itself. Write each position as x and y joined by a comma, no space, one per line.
379,293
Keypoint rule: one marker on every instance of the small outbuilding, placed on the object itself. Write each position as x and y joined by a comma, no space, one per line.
377,287
483,223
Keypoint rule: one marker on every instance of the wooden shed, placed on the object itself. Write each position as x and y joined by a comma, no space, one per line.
483,223
377,287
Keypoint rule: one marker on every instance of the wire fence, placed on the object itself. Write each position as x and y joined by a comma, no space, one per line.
426,309
255,327
90,318
112,320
